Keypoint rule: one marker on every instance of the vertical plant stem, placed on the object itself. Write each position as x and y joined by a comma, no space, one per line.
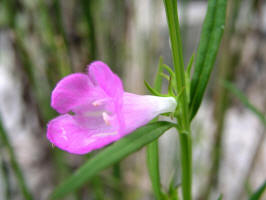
186,165
176,45
183,119
17,171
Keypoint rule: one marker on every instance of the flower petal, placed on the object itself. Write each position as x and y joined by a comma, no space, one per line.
65,133
138,110
72,91
101,75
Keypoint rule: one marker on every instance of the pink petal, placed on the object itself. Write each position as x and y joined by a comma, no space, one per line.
72,91
101,75
65,133
138,110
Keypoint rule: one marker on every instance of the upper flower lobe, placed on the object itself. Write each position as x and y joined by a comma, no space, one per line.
103,112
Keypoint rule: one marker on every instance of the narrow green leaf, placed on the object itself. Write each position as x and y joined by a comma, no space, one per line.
173,191
220,197
170,87
259,192
172,80
158,78
153,148
170,71
151,90
111,155
163,75
212,31
153,167
187,75
244,100
189,66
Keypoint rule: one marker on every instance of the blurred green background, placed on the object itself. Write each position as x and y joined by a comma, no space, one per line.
41,41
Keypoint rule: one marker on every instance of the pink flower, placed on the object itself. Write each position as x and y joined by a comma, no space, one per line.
95,110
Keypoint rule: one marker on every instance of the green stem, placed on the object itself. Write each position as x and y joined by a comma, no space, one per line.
186,163
183,118
176,44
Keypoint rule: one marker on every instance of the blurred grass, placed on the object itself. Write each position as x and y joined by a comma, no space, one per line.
54,38
258,144
259,192
48,48
241,96
15,165
5,174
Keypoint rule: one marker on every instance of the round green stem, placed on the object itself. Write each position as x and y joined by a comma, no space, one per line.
183,119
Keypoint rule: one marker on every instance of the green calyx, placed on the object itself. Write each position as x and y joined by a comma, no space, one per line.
167,73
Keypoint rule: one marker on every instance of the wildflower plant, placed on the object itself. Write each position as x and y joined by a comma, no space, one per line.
96,111
103,112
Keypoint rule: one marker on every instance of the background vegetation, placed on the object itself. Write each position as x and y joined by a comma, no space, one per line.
42,41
